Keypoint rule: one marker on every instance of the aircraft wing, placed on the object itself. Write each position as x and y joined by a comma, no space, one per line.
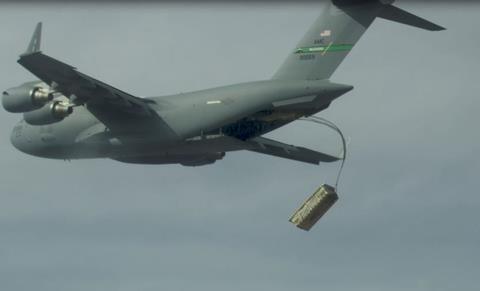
104,101
274,148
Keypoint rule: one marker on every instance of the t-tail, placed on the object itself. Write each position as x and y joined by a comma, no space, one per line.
334,34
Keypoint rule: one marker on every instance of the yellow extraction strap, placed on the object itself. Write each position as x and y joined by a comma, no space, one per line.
324,197
325,122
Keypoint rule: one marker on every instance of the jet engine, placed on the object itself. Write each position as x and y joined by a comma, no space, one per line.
50,113
26,97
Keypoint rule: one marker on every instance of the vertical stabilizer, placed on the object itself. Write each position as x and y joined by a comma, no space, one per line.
335,33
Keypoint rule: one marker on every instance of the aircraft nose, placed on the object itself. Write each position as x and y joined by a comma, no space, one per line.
17,139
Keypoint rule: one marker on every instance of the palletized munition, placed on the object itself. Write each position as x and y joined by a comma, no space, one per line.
314,207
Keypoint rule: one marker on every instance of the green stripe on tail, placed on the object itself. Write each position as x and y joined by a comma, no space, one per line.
324,48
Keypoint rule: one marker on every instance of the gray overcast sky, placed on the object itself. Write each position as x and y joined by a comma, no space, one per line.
408,215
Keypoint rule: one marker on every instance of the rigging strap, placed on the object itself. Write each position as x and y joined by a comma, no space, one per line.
325,122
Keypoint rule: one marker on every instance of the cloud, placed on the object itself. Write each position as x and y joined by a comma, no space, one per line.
406,219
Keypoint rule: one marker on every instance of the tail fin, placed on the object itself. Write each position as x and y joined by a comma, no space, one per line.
335,32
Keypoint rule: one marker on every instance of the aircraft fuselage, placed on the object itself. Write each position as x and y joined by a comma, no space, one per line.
205,123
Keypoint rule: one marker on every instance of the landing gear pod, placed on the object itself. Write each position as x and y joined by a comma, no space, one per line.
315,207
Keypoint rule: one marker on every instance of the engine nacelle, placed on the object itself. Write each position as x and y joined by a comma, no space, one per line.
53,112
25,98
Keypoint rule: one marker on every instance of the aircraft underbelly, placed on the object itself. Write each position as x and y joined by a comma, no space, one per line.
221,108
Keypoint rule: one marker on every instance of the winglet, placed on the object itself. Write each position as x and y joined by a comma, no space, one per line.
34,45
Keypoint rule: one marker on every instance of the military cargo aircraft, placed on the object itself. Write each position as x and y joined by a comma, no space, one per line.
69,115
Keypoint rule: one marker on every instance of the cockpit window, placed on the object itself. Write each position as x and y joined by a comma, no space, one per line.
17,130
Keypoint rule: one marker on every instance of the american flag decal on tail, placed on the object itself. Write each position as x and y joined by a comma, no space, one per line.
326,33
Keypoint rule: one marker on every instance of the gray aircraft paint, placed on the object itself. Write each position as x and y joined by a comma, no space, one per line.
102,225
197,128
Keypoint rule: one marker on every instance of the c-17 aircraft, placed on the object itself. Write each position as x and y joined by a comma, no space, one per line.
69,115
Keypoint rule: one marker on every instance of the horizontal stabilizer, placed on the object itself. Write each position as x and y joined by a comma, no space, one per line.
396,14
274,148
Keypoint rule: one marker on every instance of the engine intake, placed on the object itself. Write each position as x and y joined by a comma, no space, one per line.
25,98
51,113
